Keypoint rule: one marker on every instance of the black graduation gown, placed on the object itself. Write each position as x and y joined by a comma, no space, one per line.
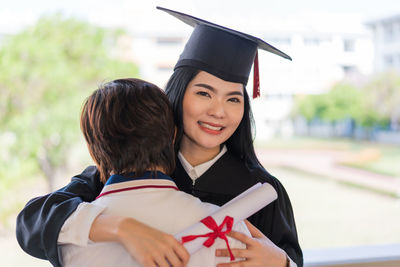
227,178
40,222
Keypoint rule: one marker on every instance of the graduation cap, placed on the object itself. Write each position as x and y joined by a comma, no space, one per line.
223,52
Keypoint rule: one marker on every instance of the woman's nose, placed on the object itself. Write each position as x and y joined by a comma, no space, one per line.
216,109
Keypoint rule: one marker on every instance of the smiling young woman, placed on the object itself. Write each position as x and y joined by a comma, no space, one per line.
213,109
217,161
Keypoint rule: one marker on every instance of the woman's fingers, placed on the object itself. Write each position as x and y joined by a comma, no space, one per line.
242,237
234,264
260,252
172,259
161,256
253,230
163,261
176,254
182,253
237,252
151,247
171,253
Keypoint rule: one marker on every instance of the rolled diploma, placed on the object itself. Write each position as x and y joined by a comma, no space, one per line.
240,208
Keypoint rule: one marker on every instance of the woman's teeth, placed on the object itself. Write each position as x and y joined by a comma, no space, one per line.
205,125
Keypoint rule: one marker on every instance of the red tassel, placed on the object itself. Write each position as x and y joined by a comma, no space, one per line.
256,78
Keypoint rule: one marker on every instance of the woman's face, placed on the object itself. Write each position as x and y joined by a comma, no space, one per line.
212,110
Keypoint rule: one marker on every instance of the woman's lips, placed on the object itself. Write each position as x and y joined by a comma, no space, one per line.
211,127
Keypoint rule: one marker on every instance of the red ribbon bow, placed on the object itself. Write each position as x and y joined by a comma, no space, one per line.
217,232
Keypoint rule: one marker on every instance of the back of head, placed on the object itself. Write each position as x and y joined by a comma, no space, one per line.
128,126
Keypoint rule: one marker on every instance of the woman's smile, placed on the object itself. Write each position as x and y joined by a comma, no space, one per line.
212,111
210,128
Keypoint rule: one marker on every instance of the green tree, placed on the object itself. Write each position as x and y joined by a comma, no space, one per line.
46,72
345,101
310,106
382,95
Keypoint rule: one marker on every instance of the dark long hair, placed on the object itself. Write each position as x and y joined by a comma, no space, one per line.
240,144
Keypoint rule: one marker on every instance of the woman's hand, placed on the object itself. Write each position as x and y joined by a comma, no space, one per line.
148,246
260,250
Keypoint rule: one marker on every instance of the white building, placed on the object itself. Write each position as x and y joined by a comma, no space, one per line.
325,49
386,37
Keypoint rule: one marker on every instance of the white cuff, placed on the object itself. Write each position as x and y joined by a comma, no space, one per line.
76,228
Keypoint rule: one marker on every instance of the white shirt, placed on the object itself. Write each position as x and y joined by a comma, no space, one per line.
197,171
166,209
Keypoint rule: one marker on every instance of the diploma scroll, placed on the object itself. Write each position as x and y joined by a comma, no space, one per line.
240,208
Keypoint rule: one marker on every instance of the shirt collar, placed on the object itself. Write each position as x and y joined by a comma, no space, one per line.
197,171
118,183
117,178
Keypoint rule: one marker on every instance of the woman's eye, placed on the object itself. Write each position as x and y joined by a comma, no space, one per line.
234,100
202,93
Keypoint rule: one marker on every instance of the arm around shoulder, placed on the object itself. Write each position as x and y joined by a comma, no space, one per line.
147,245
40,221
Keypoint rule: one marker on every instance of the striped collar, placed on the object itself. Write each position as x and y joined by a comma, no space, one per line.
118,183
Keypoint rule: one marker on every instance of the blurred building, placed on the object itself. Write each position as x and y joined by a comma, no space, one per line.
156,55
325,48
386,37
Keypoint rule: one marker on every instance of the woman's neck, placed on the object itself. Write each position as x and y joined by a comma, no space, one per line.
197,155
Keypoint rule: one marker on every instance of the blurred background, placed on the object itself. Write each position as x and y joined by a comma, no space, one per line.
328,123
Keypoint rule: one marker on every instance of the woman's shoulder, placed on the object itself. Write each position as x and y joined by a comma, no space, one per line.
263,176
257,173
236,168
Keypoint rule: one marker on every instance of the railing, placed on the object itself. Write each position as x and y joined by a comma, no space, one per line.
365,256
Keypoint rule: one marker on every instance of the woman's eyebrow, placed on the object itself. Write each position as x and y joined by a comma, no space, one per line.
209,87
235,93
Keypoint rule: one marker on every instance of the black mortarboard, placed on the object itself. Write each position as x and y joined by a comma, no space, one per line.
223,52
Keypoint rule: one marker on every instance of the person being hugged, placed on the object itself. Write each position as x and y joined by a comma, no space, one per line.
129,129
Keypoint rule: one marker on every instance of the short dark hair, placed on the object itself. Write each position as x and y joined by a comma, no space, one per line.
240,144
128,126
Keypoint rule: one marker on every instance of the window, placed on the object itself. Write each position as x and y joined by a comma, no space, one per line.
388,33
348,69
348,45
311,41
388,61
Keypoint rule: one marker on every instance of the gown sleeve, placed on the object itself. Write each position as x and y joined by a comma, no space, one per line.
277,222
40,221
